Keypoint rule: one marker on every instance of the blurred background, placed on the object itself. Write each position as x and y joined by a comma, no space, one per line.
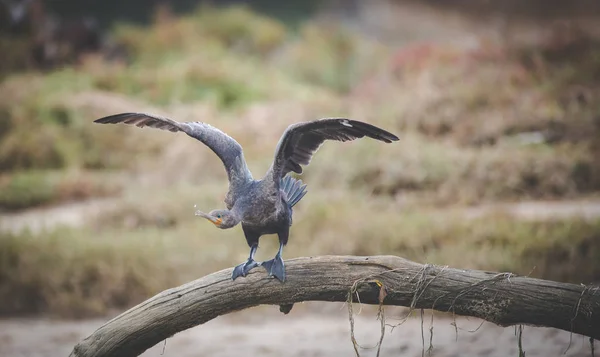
498,166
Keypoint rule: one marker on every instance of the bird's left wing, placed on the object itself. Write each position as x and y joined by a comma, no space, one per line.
301,141
226,148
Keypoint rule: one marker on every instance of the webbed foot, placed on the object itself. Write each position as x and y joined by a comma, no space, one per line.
244,268
275,267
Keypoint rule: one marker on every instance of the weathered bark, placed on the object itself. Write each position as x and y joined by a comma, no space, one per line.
501,298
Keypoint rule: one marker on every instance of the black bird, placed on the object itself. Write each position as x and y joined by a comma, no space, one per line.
262,206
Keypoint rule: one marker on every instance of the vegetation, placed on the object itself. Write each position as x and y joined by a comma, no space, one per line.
499,124
66,275
82,272
31,188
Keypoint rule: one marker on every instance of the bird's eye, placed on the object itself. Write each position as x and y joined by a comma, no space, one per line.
218,215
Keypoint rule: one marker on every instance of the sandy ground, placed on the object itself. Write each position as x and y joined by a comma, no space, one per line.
72,214
305,332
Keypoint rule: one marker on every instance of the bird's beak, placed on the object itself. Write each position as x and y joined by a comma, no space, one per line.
216,221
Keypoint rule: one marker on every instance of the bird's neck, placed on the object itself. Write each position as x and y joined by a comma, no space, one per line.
236,214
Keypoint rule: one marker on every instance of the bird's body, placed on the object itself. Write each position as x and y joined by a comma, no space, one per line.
262,206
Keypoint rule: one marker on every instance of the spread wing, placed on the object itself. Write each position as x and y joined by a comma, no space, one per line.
226,148
300,141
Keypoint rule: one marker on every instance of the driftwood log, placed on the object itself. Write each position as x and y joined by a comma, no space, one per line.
500,298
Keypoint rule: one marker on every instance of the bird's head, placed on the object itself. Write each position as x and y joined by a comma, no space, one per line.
221,218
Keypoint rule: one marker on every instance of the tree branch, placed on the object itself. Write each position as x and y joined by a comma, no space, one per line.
501,298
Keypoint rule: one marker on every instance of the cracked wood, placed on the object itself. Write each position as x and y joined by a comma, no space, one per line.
500,298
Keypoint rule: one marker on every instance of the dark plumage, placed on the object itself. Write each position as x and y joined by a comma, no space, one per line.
262,206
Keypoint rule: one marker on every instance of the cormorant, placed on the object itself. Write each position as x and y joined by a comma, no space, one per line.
262,206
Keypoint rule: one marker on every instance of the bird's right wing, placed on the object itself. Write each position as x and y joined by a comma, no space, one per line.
302,140
226,148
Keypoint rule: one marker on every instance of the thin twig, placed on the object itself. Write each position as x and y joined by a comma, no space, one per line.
430,349
455,325
574,317
381,317
164,347
351,319
422,335
520,341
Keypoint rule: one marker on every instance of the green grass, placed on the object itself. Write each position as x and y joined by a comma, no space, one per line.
26,190
32,188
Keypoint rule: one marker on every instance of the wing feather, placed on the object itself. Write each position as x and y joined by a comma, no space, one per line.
225,147
301,141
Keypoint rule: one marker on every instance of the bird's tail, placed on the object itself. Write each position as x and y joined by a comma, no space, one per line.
293,188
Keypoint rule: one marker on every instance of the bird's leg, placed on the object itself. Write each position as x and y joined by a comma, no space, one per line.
275,266
244,268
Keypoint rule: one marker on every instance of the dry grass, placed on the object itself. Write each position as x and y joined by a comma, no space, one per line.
498,124
74,274
149,244
45,130
443,173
